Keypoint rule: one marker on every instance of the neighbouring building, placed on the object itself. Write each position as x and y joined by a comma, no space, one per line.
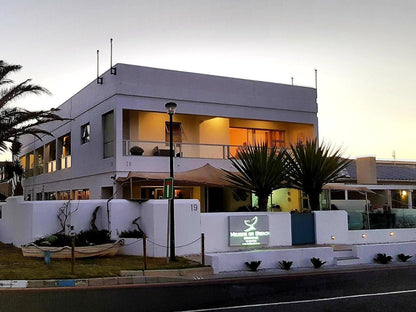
117,141
377,194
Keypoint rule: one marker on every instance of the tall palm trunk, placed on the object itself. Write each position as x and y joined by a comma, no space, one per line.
314,201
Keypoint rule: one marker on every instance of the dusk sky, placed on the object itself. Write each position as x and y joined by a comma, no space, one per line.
364,51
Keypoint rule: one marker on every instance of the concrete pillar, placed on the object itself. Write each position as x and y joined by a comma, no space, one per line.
409,199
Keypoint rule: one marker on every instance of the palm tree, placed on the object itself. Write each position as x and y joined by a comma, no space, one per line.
310,166
260,170
14,121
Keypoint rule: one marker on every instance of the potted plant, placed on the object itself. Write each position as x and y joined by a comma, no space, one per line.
136,150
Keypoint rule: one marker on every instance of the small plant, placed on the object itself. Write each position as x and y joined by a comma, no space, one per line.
317,263
253,265
403,257
131,234
285,265
136,150
382,258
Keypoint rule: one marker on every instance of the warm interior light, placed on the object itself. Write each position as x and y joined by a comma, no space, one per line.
364,235
391,233
404,193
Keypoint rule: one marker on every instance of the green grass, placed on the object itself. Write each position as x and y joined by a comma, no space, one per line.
13,266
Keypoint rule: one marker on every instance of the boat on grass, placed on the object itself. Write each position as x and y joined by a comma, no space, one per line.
102,250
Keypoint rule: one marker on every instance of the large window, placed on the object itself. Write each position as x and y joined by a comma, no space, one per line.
65,143
245,136
108,134
85,133
242,136
50,156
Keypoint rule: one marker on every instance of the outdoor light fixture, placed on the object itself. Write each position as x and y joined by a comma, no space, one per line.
333,237
170,109
364,235
391,233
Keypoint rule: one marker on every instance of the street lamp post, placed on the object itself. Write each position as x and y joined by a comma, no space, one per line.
171,108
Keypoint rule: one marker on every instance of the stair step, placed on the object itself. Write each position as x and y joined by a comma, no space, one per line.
347,260
343,254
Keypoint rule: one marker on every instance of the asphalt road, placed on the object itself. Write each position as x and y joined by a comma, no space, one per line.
362,290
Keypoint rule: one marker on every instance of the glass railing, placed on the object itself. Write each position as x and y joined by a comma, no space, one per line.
187,150
394,218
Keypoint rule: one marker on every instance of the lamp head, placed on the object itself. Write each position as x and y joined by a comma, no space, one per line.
171,108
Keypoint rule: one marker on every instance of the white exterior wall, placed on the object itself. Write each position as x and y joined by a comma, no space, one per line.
25,221
331,227
300,257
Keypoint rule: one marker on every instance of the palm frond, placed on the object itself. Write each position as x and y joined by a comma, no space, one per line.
260,169
310,166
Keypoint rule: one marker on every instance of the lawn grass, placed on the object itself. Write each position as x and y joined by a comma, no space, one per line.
13,266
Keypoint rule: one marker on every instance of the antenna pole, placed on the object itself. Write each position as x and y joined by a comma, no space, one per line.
99,79
111,52
113,70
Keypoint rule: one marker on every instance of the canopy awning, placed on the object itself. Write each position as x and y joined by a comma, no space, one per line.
347,187
205,175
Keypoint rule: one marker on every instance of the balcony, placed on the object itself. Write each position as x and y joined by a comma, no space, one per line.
185,150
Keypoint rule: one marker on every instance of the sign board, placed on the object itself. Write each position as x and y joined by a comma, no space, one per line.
168,188
248,230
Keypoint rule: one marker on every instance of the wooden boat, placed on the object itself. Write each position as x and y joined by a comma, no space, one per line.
103,250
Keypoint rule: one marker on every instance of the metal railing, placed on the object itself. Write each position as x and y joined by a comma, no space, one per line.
186,150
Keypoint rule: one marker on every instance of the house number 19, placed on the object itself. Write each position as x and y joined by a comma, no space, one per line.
194,207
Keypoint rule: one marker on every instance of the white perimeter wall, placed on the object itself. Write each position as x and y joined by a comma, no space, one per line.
23,222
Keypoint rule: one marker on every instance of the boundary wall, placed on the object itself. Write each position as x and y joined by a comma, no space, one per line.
23,222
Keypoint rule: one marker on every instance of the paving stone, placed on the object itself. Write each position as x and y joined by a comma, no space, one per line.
50,283
35,284
125,280
95,282
110,281
131,273
81,283
161,273
139,280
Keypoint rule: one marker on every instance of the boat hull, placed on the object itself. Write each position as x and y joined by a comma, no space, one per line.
103,250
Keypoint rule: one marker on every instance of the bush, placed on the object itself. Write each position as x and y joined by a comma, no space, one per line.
131,234
403,257
285,265
382,258
92,237
317,263
253,265
83,238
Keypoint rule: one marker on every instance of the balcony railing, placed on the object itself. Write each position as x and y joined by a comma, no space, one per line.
52,166
186,150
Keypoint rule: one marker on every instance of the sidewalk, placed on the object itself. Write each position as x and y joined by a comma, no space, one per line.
135,277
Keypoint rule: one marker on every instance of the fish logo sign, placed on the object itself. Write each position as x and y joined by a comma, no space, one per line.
251,224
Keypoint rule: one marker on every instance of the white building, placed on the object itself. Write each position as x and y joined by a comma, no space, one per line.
89,156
